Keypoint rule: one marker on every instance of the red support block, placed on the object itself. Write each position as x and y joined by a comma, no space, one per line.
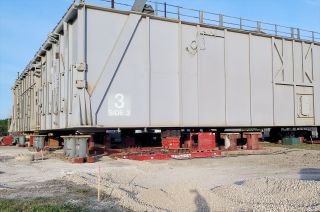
206,141
232,138
171,143
7,140
252,140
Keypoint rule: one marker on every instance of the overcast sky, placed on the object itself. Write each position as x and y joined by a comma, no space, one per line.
25,24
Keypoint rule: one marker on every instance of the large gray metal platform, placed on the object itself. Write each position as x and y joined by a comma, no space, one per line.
107,68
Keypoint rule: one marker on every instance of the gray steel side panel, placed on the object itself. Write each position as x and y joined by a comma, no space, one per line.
283,105
211,80
106,83
164,80
101,36
125,102
238,79
316,71
261,81
189,79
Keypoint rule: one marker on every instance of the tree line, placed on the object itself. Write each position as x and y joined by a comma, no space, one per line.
3,127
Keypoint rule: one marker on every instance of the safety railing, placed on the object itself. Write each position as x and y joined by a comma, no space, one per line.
164,9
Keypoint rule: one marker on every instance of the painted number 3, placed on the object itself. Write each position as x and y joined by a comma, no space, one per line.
119,103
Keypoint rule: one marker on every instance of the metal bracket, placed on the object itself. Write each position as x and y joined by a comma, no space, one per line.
81,67
80,84
53,37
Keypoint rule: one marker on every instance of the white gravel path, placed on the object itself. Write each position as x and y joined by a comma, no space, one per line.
283,180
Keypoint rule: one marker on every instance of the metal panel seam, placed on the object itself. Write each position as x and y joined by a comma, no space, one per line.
225,77
198,55
180,74
250,80
148,71
302,53
294,86
272,80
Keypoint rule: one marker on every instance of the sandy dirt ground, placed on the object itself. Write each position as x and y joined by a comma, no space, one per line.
278,180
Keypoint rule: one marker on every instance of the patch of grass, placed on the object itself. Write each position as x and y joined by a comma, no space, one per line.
295,146
36,205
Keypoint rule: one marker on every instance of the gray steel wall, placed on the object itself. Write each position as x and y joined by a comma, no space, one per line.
114,69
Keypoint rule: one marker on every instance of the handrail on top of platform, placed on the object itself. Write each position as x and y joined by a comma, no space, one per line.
166,10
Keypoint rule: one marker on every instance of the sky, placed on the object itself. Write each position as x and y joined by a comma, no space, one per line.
25,24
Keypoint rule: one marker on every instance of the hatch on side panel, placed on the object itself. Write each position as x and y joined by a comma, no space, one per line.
304,105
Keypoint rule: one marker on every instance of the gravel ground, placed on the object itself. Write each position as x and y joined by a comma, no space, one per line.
279,180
